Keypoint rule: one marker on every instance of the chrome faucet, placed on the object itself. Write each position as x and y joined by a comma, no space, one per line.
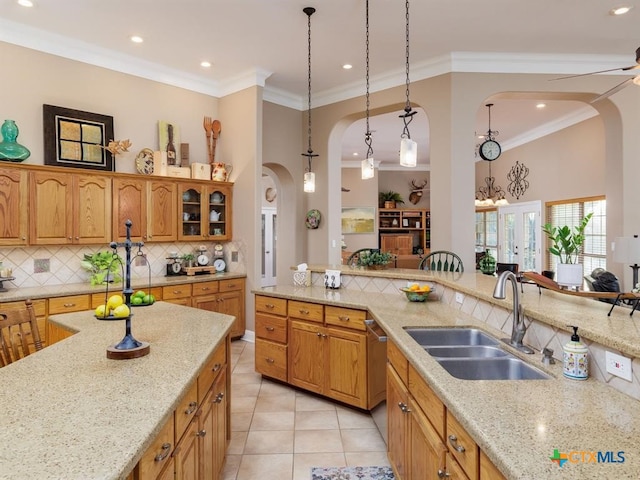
519,328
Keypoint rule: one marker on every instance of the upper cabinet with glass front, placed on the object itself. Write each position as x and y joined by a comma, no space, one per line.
205,211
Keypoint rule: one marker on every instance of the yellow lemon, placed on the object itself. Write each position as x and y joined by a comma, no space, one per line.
101,311
414,287
121,311
425,288
114,302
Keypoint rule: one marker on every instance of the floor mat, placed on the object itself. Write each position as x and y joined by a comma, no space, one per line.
352,473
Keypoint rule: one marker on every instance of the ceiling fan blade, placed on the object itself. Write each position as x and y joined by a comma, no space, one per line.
613,90
632,67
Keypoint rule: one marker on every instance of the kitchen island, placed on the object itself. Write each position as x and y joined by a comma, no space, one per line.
517,424
68,412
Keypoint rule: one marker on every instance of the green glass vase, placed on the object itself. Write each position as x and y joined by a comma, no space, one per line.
488,264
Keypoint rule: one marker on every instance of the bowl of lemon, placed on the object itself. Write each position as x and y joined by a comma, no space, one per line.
416,292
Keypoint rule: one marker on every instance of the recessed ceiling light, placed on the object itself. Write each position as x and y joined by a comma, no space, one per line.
355,154
136,39
25,3
541,105
621,10
205,64
347,66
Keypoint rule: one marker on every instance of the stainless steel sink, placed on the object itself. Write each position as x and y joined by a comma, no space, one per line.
471,354
505,368
438,337
474,351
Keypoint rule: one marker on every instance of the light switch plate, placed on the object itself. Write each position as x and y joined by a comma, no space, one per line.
459,297
618,365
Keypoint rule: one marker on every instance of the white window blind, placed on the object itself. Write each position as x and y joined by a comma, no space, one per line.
571,213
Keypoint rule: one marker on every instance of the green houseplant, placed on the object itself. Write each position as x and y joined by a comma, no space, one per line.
374,259
566,244
104,267
389,199
188,259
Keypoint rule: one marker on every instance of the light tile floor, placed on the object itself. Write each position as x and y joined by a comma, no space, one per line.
280,433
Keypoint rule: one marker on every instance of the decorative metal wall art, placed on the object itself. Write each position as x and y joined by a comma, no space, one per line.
518,183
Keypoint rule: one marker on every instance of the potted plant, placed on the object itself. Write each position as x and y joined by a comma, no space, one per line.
389,199
374,259
104,266
188,259
566,245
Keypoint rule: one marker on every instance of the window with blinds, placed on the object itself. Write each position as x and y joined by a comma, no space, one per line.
570,213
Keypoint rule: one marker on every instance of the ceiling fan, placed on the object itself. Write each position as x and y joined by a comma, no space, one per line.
618,87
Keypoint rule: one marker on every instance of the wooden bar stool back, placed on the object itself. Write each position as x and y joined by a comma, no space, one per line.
19,335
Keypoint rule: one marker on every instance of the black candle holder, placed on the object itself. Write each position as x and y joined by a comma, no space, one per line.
128,347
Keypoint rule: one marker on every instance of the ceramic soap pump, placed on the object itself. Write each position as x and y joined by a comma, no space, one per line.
575,359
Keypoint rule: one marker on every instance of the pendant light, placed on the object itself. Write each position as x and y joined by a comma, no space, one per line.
367,166
309,176
408,148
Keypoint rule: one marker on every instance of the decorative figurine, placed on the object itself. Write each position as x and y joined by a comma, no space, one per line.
10,149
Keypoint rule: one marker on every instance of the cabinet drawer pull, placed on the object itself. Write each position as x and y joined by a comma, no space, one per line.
270,306
453,441
204,289
69,305
343,318
303,312
193,406
443,474
216,367
219,397
318,334
270,329
177,292
231,285
201,433
270,360
166,449
403,406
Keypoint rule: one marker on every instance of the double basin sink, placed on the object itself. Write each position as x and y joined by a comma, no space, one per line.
471,354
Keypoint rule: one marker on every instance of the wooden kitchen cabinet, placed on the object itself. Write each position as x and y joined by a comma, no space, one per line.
223,296
424,439
178,294
158,455
69,208
151,205
332,358
14,219
271,337
205,211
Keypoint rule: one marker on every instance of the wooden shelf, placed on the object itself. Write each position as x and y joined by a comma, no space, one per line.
404,232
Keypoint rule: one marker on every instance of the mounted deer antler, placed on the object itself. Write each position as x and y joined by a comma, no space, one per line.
416,191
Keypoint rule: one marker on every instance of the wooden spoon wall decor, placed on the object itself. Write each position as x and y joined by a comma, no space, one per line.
208,128
216,128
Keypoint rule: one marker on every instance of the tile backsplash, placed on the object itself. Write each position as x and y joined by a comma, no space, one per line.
60,264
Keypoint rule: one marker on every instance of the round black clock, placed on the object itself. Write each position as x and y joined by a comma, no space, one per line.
489,150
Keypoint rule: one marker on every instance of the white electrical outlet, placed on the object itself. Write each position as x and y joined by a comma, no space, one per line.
459,297
618,365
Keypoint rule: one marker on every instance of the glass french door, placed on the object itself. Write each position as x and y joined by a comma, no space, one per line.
269,222
520,235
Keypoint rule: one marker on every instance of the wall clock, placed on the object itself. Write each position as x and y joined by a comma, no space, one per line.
489,150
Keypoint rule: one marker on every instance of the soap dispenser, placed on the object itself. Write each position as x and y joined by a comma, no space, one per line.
575,359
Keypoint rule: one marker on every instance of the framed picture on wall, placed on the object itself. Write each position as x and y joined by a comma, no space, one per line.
73,138
358,219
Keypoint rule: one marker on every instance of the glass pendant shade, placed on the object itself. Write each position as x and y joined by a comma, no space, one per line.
309,182
368,170
408,152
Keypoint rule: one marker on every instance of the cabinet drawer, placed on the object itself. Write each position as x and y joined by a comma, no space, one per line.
277,306
429,402
176,291
270,327
158,454
231,285
271,359
462,447
204,288
305,311
345,317
186,410
72,303
39,306
211,369
398,361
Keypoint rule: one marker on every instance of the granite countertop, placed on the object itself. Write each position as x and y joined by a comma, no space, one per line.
518,424
68,412
16,294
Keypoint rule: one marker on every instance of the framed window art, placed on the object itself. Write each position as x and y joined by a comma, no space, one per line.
73,138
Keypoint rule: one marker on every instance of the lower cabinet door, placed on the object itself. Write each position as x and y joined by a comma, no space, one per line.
186,454
427,451
220,401
397,424
271,359
346,369
306,355
207,434
169,472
